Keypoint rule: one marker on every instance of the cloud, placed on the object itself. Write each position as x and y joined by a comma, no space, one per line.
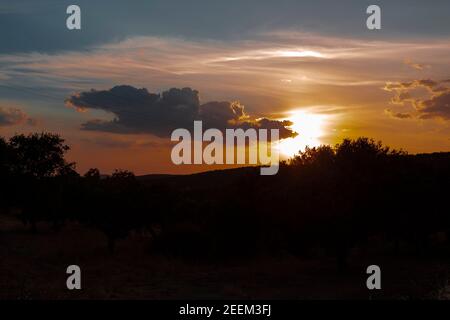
14,116
415,65
434,104
122,142
398,115
300,57
438,106
400,87
139,111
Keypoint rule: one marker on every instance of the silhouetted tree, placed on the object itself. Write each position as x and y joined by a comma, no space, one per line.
113,204
39,155
93,174
327,199
36,158
5,175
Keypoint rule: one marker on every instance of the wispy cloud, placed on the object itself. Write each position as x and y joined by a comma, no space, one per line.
304,57
10,116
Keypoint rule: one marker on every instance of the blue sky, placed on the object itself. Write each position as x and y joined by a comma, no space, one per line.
39,25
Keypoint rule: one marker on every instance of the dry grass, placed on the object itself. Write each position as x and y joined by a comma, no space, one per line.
32,266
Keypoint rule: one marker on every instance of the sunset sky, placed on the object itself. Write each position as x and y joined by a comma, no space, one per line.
311,62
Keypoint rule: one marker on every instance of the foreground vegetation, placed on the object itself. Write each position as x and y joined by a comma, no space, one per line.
324,202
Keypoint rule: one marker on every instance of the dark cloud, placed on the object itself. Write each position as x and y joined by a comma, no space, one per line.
435,104
14,116
438,106
139,111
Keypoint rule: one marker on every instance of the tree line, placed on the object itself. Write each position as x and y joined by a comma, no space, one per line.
324,201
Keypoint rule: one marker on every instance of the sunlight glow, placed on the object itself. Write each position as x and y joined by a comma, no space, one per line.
299,53
269,54
310,128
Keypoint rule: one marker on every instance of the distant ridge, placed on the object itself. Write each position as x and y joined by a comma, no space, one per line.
208,179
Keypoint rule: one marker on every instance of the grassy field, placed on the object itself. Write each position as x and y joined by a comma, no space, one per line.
33,266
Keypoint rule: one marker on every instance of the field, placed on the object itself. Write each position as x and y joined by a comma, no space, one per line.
33,266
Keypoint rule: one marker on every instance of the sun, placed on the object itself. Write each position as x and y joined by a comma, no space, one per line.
310,128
